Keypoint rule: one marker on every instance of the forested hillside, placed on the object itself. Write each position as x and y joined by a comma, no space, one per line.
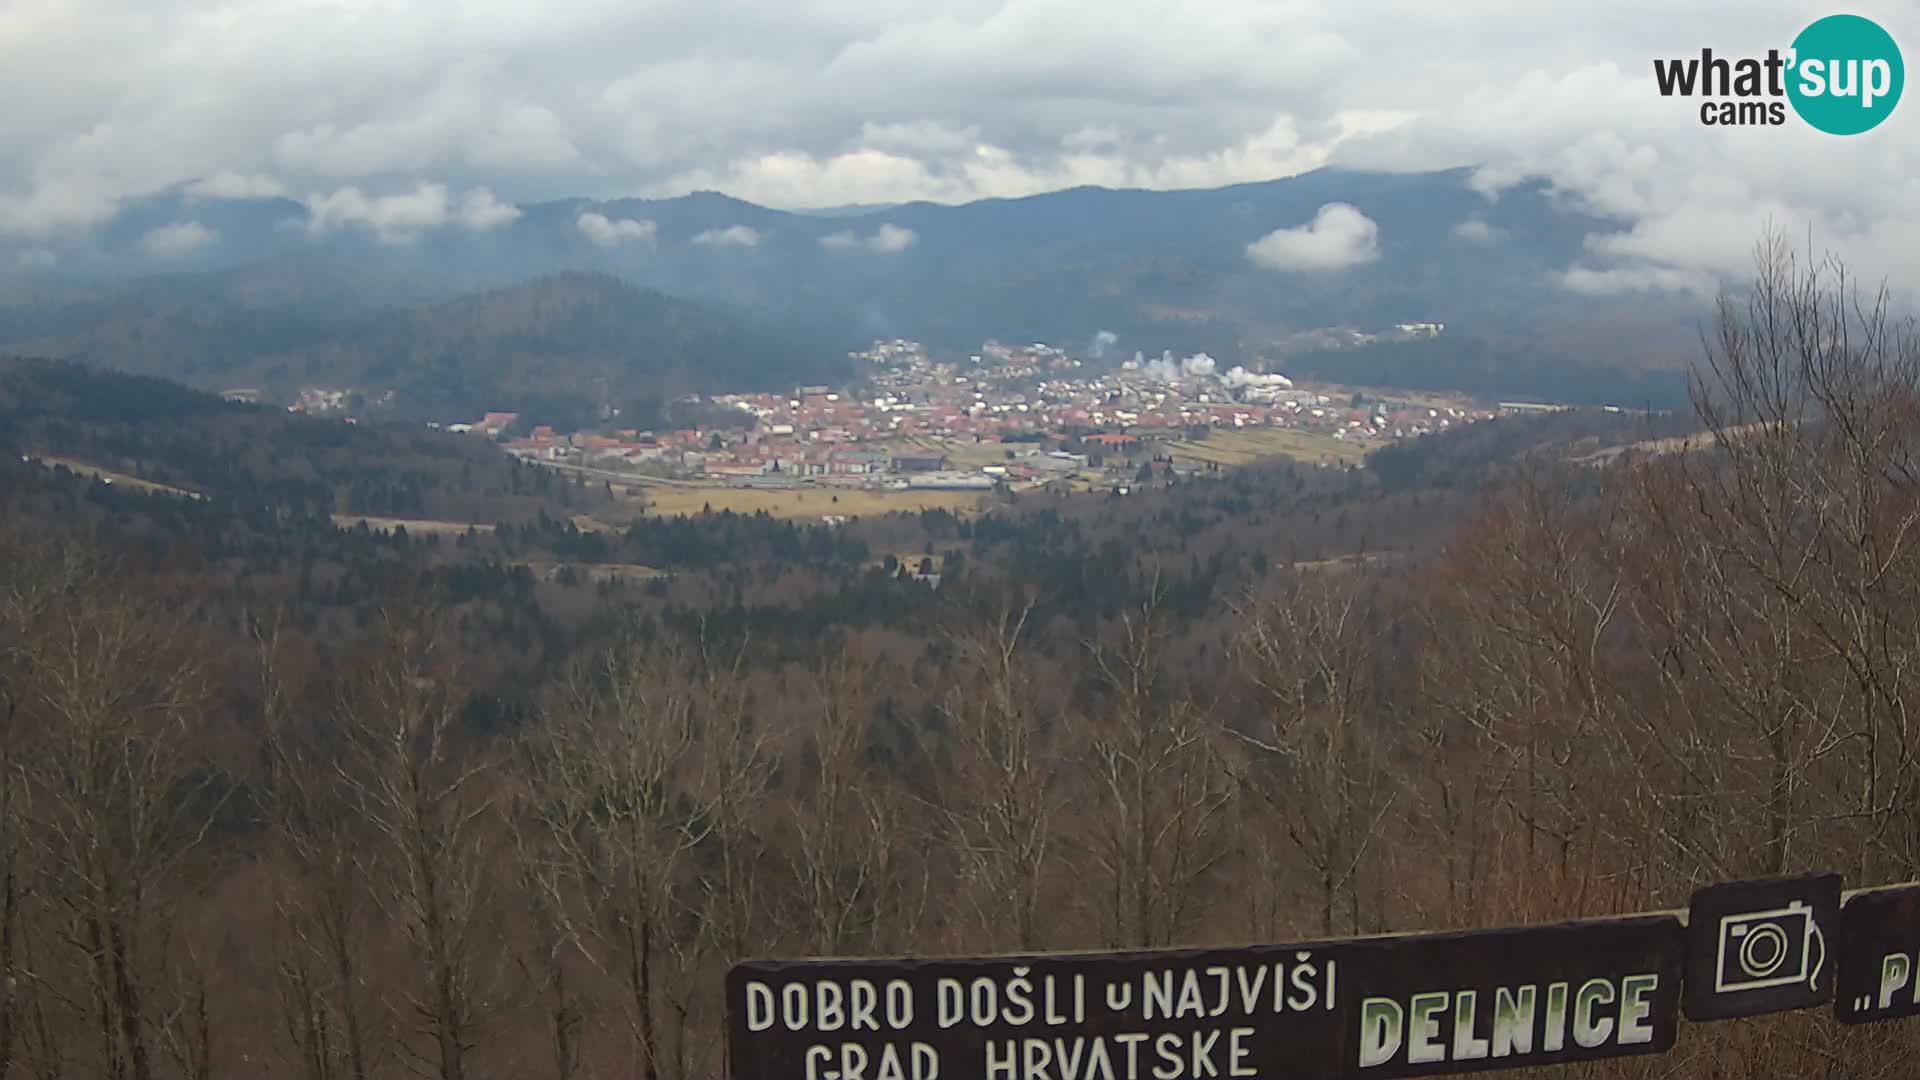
563,348
166,434
282,799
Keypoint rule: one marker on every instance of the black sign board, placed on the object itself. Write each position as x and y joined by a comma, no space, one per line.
1879,938
1762,946
1392,1006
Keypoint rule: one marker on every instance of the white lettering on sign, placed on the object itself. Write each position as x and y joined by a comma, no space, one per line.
851,1061
1444,1025
1196,1055
1247,989
825,1005
982,1002
1256,1015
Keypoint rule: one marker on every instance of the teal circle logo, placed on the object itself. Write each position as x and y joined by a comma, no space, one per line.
1846,75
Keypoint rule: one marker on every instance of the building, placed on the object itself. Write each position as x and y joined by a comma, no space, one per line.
735,468
919,463
496,422
950,481
856,461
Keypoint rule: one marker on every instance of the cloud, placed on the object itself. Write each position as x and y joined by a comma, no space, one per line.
480,211
1643,278
1338,237
609,232
886,240
1476,231
233,185
889,239
605,98
401,218
178,240
734,236
36,259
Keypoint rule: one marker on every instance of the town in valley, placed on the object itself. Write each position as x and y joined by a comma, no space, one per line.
919,430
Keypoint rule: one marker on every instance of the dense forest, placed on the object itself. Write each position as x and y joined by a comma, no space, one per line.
557,348
278,798
166,434
1506,370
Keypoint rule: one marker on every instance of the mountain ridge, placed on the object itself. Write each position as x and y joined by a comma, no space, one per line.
1157,269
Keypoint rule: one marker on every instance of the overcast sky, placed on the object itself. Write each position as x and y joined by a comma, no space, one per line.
466,106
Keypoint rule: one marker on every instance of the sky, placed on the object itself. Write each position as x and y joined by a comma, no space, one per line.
411,114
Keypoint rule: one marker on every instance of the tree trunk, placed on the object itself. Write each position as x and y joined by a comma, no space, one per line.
9,941
448,1022
348,977
127,1002
649,1038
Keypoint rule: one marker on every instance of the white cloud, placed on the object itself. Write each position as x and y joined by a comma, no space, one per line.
1643,278
1338,237
886,240
595,98
480,211
611,232
1477,231
233,185
891,239
178,240
400,218
920,137
49,209
738,236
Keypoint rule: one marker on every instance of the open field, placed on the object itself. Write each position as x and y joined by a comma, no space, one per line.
1426,399
962,454
1248,445
121,479
597,572
1348,562
1678,445
412,525
805,502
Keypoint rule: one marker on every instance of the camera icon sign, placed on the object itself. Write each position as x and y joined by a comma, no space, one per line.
1759,950
1761,946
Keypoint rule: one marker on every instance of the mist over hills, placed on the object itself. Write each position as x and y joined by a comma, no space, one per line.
215,290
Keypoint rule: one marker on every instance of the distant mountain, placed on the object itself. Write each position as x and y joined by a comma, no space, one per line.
851,210
560,347
1160,269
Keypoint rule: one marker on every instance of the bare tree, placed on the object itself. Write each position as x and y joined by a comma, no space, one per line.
853,886
612,793
545,959
111,790
1001,782
1162,791
429,805
321,896
12,838
1795,616
1310,654
34,574
729,875
1520,676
